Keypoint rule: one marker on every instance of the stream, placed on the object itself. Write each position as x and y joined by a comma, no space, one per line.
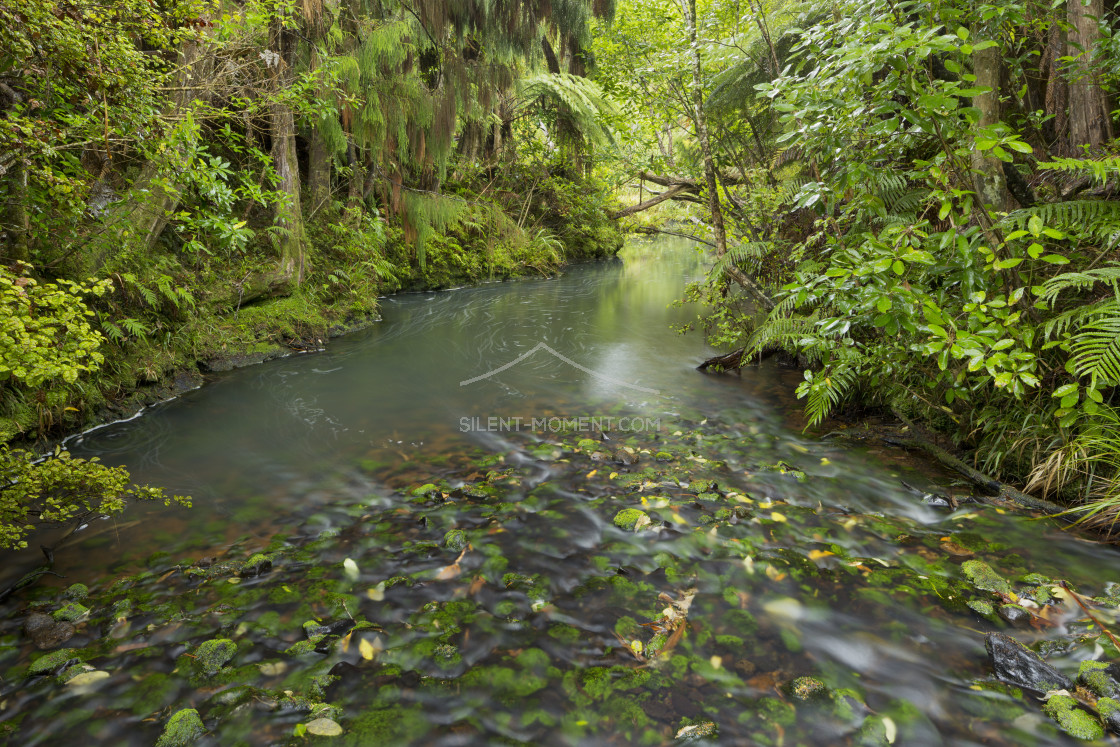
516,513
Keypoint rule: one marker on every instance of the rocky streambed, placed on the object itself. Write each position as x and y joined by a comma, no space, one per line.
716,584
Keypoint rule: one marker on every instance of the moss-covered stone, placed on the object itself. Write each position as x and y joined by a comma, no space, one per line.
52,661
1093,675
806,689
71,612
455,540
183,729
631,519
981,575
76,592
1076,722
257,564
212,655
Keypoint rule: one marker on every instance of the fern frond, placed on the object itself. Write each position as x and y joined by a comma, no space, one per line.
1096,351
1099,169
1109,275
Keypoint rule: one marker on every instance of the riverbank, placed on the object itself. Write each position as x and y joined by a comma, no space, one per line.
172,318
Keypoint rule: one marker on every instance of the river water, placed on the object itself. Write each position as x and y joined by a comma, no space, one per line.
764,555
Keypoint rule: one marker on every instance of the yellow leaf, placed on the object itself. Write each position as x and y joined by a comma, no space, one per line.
369,650
818,554
777,516
612,475
592,473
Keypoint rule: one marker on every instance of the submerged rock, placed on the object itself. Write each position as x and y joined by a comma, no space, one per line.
212,655
984,578
324,727
47,632
1016,664
53,661
1100,677
631,519
1064,709
696,732
71,612
1014,613
183,729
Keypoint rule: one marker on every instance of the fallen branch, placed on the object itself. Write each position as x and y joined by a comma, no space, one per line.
974,475
668,194
646,229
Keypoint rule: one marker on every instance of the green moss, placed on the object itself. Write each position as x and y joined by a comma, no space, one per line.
71,612
806,689
183,729
76,591
455,540
1092,674
984,578
52,661
983,608
212,655
631,519
1076,722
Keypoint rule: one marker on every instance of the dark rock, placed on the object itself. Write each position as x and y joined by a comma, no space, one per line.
1016,664
47,632
1014,613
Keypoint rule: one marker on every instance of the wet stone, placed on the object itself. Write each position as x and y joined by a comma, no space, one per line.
71,612
1075,721
47,632
1014,614
1100,677
183,729
1016,664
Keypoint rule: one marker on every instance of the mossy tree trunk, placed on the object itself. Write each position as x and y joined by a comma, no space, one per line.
288,215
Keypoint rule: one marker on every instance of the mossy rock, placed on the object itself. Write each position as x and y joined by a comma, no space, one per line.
806,689
981,575
455,540
663,456
1076,722
257,564
71,612
52,661
1095,676
183,729
587,444
983,608
425,490
76,592
212,655
631,519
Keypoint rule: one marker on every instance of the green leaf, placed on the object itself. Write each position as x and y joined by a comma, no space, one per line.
883,304
1065,390
1034,225
1005,264
898,267
1055,259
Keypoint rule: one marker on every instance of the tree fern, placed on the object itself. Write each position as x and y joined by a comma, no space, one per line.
1095,219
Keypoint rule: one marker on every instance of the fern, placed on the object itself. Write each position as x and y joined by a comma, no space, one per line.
1080,281
1096,351
1099,170
1089,219
826,389
579,100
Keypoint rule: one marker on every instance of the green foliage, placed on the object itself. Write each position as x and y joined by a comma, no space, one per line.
45,333
59,489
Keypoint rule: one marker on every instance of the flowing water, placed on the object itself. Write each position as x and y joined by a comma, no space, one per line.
438,499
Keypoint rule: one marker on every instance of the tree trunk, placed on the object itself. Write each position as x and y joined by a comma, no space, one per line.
319,159
1089,122
16,221
987,171
139,219
288,214
719,233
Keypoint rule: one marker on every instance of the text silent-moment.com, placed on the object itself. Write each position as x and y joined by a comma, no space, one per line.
557,424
